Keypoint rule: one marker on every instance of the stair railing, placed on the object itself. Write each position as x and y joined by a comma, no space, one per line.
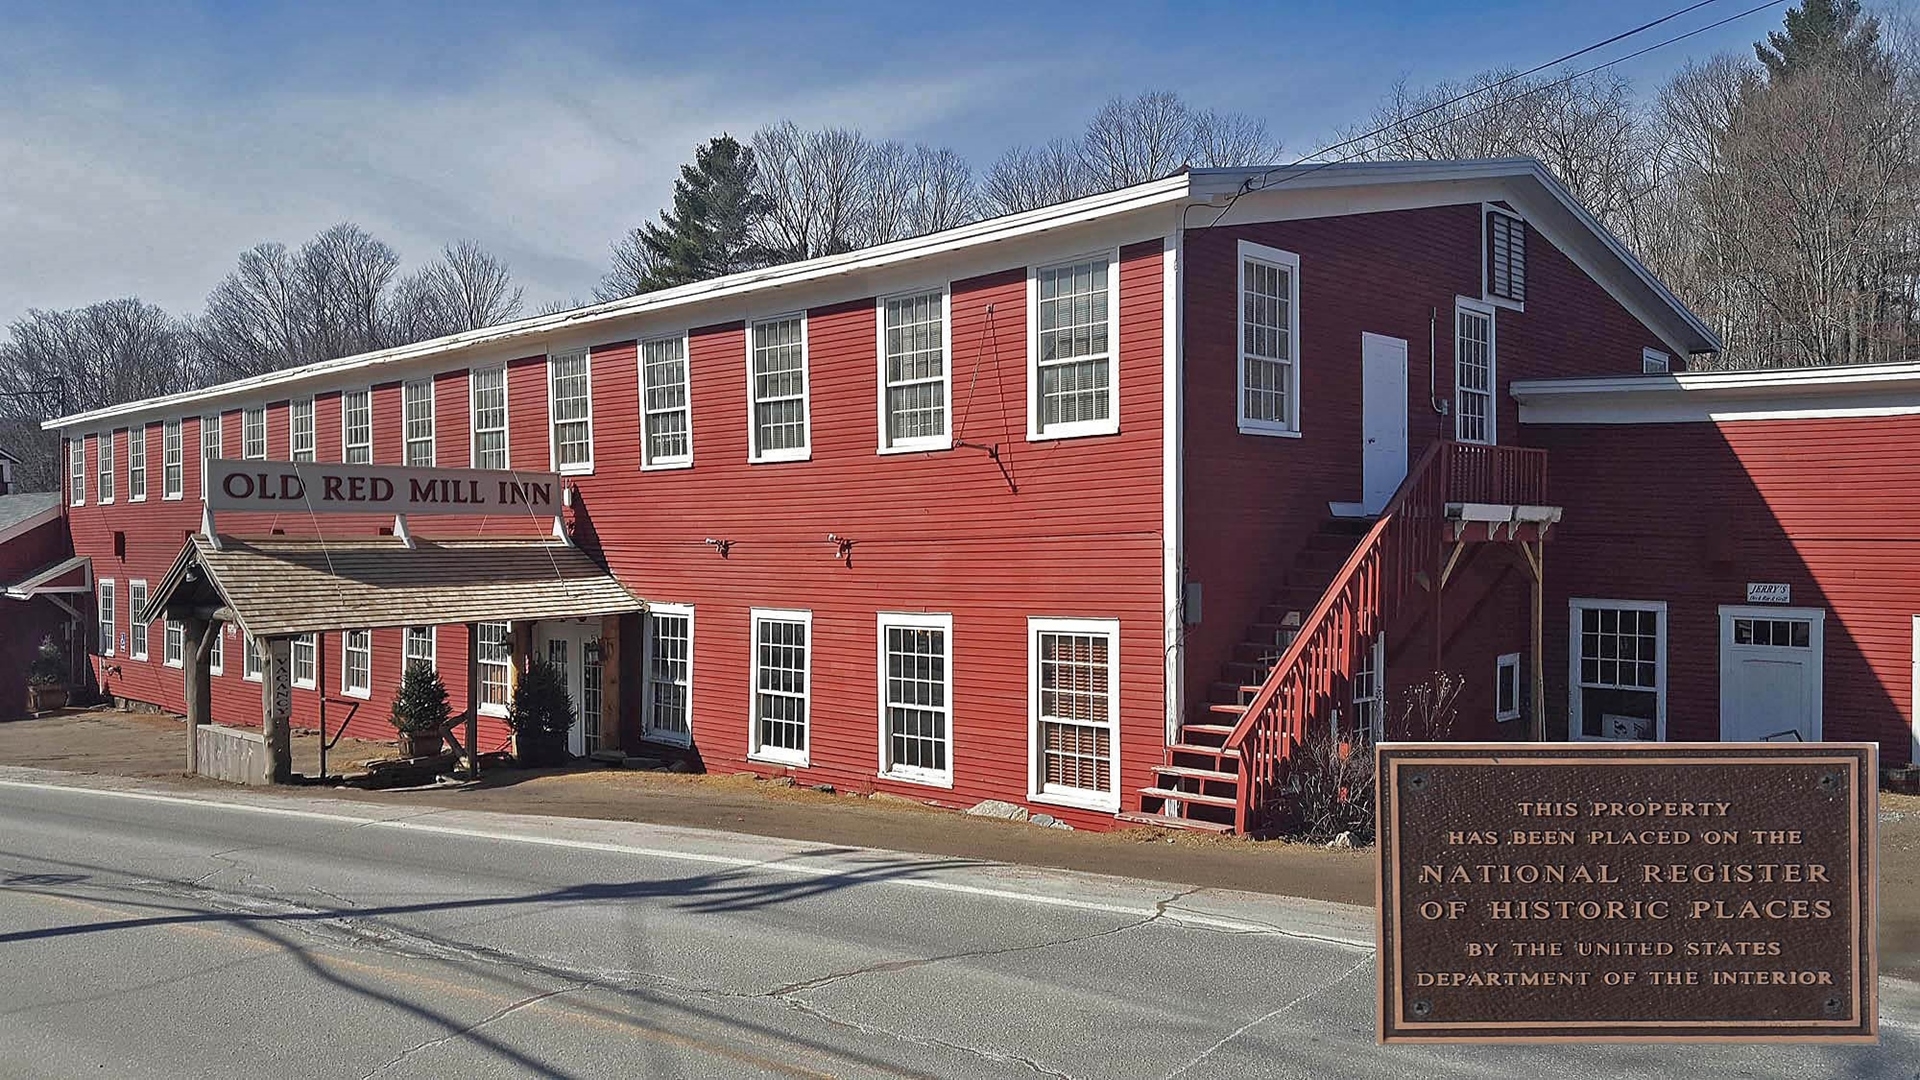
1314,673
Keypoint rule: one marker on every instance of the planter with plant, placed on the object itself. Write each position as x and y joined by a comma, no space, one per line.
420,710
542,713
47,677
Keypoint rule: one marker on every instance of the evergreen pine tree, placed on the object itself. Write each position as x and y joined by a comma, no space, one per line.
710,230
421,705
1823,33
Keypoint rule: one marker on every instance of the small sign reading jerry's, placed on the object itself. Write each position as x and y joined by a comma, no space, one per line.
1661,891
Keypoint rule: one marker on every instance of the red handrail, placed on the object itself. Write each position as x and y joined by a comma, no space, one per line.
1406,541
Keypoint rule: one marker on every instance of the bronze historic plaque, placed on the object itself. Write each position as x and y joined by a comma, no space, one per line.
1590,892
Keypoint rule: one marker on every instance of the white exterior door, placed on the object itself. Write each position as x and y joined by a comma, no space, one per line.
574,649
1383,455
1770,674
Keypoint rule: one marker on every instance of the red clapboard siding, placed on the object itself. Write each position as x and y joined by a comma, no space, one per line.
1689,513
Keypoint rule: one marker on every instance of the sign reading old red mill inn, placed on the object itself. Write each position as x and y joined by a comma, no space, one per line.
1676,892
319,487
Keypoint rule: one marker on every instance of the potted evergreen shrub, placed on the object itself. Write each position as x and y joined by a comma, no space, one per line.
541,714
47,678
420,710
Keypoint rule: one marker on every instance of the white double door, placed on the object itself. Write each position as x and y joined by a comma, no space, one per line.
572,646
1770,674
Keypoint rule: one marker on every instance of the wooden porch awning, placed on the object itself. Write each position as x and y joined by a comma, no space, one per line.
74,575
278,587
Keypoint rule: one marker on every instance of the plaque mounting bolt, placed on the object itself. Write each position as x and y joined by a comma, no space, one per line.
1417,781
1423,1008
1832,1005
1830,783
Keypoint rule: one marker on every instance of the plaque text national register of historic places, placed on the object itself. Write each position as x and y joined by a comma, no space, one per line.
1587,892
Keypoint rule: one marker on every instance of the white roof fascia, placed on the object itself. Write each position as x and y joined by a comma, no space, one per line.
1713,397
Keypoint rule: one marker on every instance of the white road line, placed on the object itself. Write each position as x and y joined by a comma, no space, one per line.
1166,914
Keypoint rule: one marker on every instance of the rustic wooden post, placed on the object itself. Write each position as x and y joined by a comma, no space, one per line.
473,701
276,708
199,681
1536,555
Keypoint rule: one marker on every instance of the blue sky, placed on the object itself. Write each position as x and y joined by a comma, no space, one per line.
143,146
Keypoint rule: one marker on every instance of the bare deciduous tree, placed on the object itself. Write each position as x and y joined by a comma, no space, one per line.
465,289
1029,177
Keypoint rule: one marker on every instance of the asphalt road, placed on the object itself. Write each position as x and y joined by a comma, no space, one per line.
144,934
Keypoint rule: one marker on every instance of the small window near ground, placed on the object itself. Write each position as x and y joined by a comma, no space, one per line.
356,427
1619,648
136,630
1506,267
209,449
1269,340
1071,379
356,663
77,470
1074,679
173,644
1654,362
305,667
913,371
106,617
172,461
916,695
106,484
416,406
253,433
777,358
1506,683
421,646
1369,697
300,429
488,389
666,423
780,680
496,667
1473,373
570,406
137,464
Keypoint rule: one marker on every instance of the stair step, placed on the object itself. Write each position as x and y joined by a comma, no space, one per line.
1162,821
1225,710
1198,749
1222,693
1187,772
1222,730
1188,797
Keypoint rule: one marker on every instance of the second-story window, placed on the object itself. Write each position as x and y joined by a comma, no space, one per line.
488,389
570,408
173,478
1269,340
137,463
356,427
77,470
913,365
777,369
300,429
416,404
666,423
1473,372
209,448
106,466
1071,382
253,433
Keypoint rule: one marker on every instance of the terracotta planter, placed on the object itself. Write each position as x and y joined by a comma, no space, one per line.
419,743
44,698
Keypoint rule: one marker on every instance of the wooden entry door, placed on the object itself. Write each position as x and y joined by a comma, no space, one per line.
1770,674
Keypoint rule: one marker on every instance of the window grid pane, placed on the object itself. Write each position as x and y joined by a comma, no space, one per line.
106,466
418,646
417,406
137,463
780,699
1266,342
77,469
253,433
663,374
209,448
300,430
173,643
1075,727
1473,376
496,662
252,663
572,415
490,418
356,422
917,709
304,648
1074,357
358,654
668,667
779,386
172,460
1619,649
136,630
914,337
106,618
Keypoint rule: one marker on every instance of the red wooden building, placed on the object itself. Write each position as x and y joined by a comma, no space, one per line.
1099,508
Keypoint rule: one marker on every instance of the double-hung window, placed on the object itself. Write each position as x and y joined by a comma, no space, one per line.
570,408
137,464
253,433
253,664
356,427
781,685
77,470
356,663
669,700
173,644
666,419
105,463
1071,383
487,390
136,630
300,445
420,646
209,449
1474,373
306,648
217,652
914,373
1269,327
1618,672
1506,257
173,478
1073,695
916,697
496,667
1369,696
106,614
416,406
777,384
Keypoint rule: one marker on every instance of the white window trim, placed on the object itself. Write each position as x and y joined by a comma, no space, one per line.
1507,662
1291,262
433,423
506,415
346,668
313,430
292,668
553,440
646,699
210,422
1655,362
248,646
105,462
109,592
166,630
77,470
925,443
266,441
346,395
217,662
648,463
1078,428
180,430
1575,722
1481,307
137,436
756,456
1486,282
776,755
942,778
1105,802
433,647
488,708
133,621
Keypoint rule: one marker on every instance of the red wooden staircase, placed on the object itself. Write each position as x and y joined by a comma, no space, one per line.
1228,772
